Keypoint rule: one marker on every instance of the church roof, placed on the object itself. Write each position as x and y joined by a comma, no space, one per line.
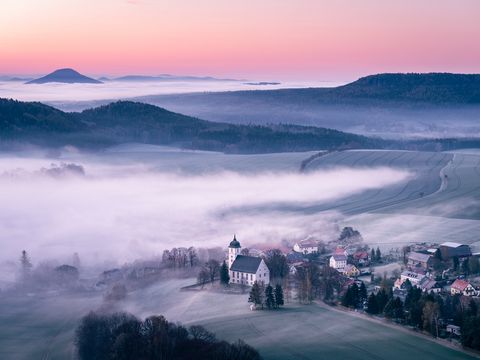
339,257
234,243
246,264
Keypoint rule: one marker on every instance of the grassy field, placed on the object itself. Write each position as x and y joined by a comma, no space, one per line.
427,207
425,168
296,332
163,158
44,329
41,327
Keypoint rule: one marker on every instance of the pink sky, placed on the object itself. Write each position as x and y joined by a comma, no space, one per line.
268,39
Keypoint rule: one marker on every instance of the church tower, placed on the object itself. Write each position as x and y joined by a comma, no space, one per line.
233,250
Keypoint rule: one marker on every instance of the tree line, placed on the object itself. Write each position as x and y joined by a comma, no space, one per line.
122,336
424,311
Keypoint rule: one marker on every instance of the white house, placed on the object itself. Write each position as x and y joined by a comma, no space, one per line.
306,247
245,269
414,278
338,262
463,287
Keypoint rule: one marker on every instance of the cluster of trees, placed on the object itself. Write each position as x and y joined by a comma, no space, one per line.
384,303
209,272
277,264
355,296
468,266
430,312
122,336
266,296
180,258
375,255
350,235
309,283
317,283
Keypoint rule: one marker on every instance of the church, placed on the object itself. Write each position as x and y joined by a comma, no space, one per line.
245,269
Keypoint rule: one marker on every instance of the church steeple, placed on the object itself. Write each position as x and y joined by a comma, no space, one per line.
233,250
234,243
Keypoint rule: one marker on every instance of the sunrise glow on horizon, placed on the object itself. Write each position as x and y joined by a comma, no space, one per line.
290,39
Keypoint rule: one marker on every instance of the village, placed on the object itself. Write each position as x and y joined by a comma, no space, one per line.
430,288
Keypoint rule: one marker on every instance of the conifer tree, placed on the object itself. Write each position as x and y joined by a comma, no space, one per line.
382,299
255,296
389,310
456,263
269,298
362,293
224,277
262,293
372,306
351,297
278,296
26,265
473,265
378,254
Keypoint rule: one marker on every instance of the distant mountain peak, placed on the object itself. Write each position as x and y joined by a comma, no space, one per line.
65,75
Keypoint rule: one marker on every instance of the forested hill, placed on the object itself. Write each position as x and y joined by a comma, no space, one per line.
125,121
385,105
429,88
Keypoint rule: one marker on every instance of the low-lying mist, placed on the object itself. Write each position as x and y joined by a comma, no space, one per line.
63,94
114,212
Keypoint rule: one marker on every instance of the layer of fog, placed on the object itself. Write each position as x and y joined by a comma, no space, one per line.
384,119
110,90
119,212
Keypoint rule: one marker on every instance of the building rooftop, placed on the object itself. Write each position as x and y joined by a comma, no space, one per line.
412,275
460,284
308,243
361,255
339,257
350,267
416,256
246,264
451,244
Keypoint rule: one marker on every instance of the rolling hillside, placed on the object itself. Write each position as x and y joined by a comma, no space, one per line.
125,121
429,105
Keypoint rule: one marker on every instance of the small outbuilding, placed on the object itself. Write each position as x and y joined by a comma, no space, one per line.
421,260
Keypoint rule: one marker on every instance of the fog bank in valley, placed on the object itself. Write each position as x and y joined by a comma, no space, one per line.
116,212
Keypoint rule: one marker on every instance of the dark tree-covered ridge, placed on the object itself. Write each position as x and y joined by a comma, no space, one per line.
34,123
126,121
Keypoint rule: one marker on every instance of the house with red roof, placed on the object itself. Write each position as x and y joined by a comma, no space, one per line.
463,287
361,257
